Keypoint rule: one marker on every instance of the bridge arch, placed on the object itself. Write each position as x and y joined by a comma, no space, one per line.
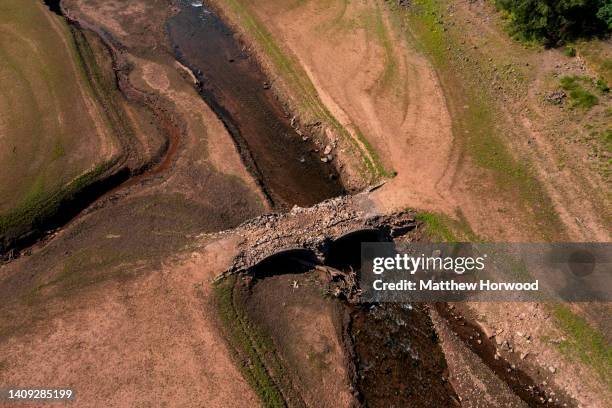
345,251
285,261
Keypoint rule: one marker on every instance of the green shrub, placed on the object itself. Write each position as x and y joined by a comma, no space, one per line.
605,13
602,86
570,51
554,22
579,96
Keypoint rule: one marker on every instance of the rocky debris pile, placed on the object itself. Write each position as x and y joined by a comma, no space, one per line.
556,97
343,284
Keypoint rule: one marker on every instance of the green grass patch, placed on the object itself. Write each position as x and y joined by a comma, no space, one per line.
585,343
442,228
579,95
602,86
40,204
570,51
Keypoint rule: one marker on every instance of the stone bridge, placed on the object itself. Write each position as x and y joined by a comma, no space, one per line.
317,233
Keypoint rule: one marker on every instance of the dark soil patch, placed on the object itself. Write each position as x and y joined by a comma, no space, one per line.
399,361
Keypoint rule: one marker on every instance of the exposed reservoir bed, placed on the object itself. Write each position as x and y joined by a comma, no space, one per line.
288,169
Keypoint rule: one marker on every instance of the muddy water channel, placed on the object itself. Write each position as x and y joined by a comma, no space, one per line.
287,168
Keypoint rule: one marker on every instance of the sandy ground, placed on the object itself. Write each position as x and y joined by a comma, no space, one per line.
105,306
371,77
402,110
533,333
406,120
148,342
147,333
305,328
555,139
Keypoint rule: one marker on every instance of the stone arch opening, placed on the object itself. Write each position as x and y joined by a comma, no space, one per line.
287,261
345,251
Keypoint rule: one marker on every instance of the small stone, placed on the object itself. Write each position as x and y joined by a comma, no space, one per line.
552,369
327,150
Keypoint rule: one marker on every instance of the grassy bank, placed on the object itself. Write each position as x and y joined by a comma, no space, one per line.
478,124
41,205
253,350
303,91
62,112
442,228
584,343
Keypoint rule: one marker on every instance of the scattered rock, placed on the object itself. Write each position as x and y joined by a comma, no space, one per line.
327,150
555,97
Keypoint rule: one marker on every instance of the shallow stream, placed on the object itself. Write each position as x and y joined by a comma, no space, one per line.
288,168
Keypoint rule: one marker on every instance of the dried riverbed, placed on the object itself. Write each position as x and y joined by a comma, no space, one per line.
284,160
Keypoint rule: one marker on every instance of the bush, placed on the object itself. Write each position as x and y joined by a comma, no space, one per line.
578,94
554,22
602,86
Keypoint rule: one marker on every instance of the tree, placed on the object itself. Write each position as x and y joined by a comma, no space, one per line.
605,13
554,22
